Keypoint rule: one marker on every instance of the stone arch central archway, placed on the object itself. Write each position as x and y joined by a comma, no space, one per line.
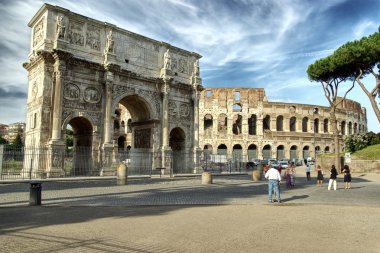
140,134
177,143
80,155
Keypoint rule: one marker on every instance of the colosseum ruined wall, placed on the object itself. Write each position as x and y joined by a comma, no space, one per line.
241,122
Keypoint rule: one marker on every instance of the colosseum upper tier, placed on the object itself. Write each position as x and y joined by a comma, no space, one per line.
242,122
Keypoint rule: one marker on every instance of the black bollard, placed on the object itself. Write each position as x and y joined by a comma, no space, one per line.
35,194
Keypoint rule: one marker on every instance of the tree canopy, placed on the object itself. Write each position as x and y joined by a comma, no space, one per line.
352,61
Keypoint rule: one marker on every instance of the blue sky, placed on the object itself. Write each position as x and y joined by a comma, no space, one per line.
257,44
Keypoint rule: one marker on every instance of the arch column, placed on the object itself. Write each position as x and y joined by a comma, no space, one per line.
108,111
56,144
197,151
165,149
107,154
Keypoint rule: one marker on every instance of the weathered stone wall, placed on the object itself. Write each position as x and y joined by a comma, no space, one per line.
356,166
243,118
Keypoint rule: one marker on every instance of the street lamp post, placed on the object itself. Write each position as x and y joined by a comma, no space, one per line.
315,111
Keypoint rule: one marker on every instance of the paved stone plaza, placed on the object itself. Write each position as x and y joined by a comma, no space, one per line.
181,215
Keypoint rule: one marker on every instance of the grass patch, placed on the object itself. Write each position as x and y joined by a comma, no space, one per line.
368,153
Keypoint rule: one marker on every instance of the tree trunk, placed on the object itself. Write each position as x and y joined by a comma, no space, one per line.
334,125
374,106
371,96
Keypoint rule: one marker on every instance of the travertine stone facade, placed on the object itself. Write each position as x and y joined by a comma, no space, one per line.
242,122
81,71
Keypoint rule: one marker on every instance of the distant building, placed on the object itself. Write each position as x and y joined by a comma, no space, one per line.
9,132
3,130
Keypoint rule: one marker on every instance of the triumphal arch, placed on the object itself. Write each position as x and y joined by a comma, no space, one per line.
84,73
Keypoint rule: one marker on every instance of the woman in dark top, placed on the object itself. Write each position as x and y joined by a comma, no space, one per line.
347,177
319,175
332,180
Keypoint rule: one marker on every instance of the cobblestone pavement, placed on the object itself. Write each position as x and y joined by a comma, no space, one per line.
181,215
234,189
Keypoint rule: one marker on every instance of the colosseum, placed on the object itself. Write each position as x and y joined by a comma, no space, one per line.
241,122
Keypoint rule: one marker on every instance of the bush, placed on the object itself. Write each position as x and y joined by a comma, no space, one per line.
359,141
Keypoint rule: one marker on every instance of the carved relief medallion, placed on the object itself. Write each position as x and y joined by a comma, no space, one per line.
71,92
172,107
91,95
184,110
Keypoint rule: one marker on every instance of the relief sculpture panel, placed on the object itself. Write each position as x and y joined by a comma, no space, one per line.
83,98
71,92
91,95
38,32
93,37
184,110
142,138
75,33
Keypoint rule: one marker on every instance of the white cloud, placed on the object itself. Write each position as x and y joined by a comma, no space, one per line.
364,27
265,44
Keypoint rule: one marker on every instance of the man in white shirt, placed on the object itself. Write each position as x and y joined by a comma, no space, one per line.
308,172
274,178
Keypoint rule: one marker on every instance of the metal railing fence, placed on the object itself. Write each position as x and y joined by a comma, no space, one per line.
34,163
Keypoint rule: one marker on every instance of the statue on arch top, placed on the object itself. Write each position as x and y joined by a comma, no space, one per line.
196,68
167,60
109,44
60,28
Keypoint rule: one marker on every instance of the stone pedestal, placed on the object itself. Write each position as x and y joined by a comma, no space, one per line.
257,174
108,166
122,174
166,154
206,178
197,163
56,164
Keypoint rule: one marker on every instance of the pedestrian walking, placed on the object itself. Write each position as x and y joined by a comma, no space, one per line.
289,176
308,171
333,175
292,174
274,180
319,176
347,177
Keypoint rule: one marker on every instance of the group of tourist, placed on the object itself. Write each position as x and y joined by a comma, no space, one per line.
273,174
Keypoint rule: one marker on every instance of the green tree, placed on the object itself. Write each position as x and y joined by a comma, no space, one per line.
3,141
18,141
329,73
69,138
358,59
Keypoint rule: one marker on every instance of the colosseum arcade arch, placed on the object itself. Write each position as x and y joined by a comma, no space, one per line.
222,149
252,152
280,152
305,152
293,153
267,152
237,152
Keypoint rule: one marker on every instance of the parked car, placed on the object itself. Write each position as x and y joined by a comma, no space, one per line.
250,165
284,164
256,161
